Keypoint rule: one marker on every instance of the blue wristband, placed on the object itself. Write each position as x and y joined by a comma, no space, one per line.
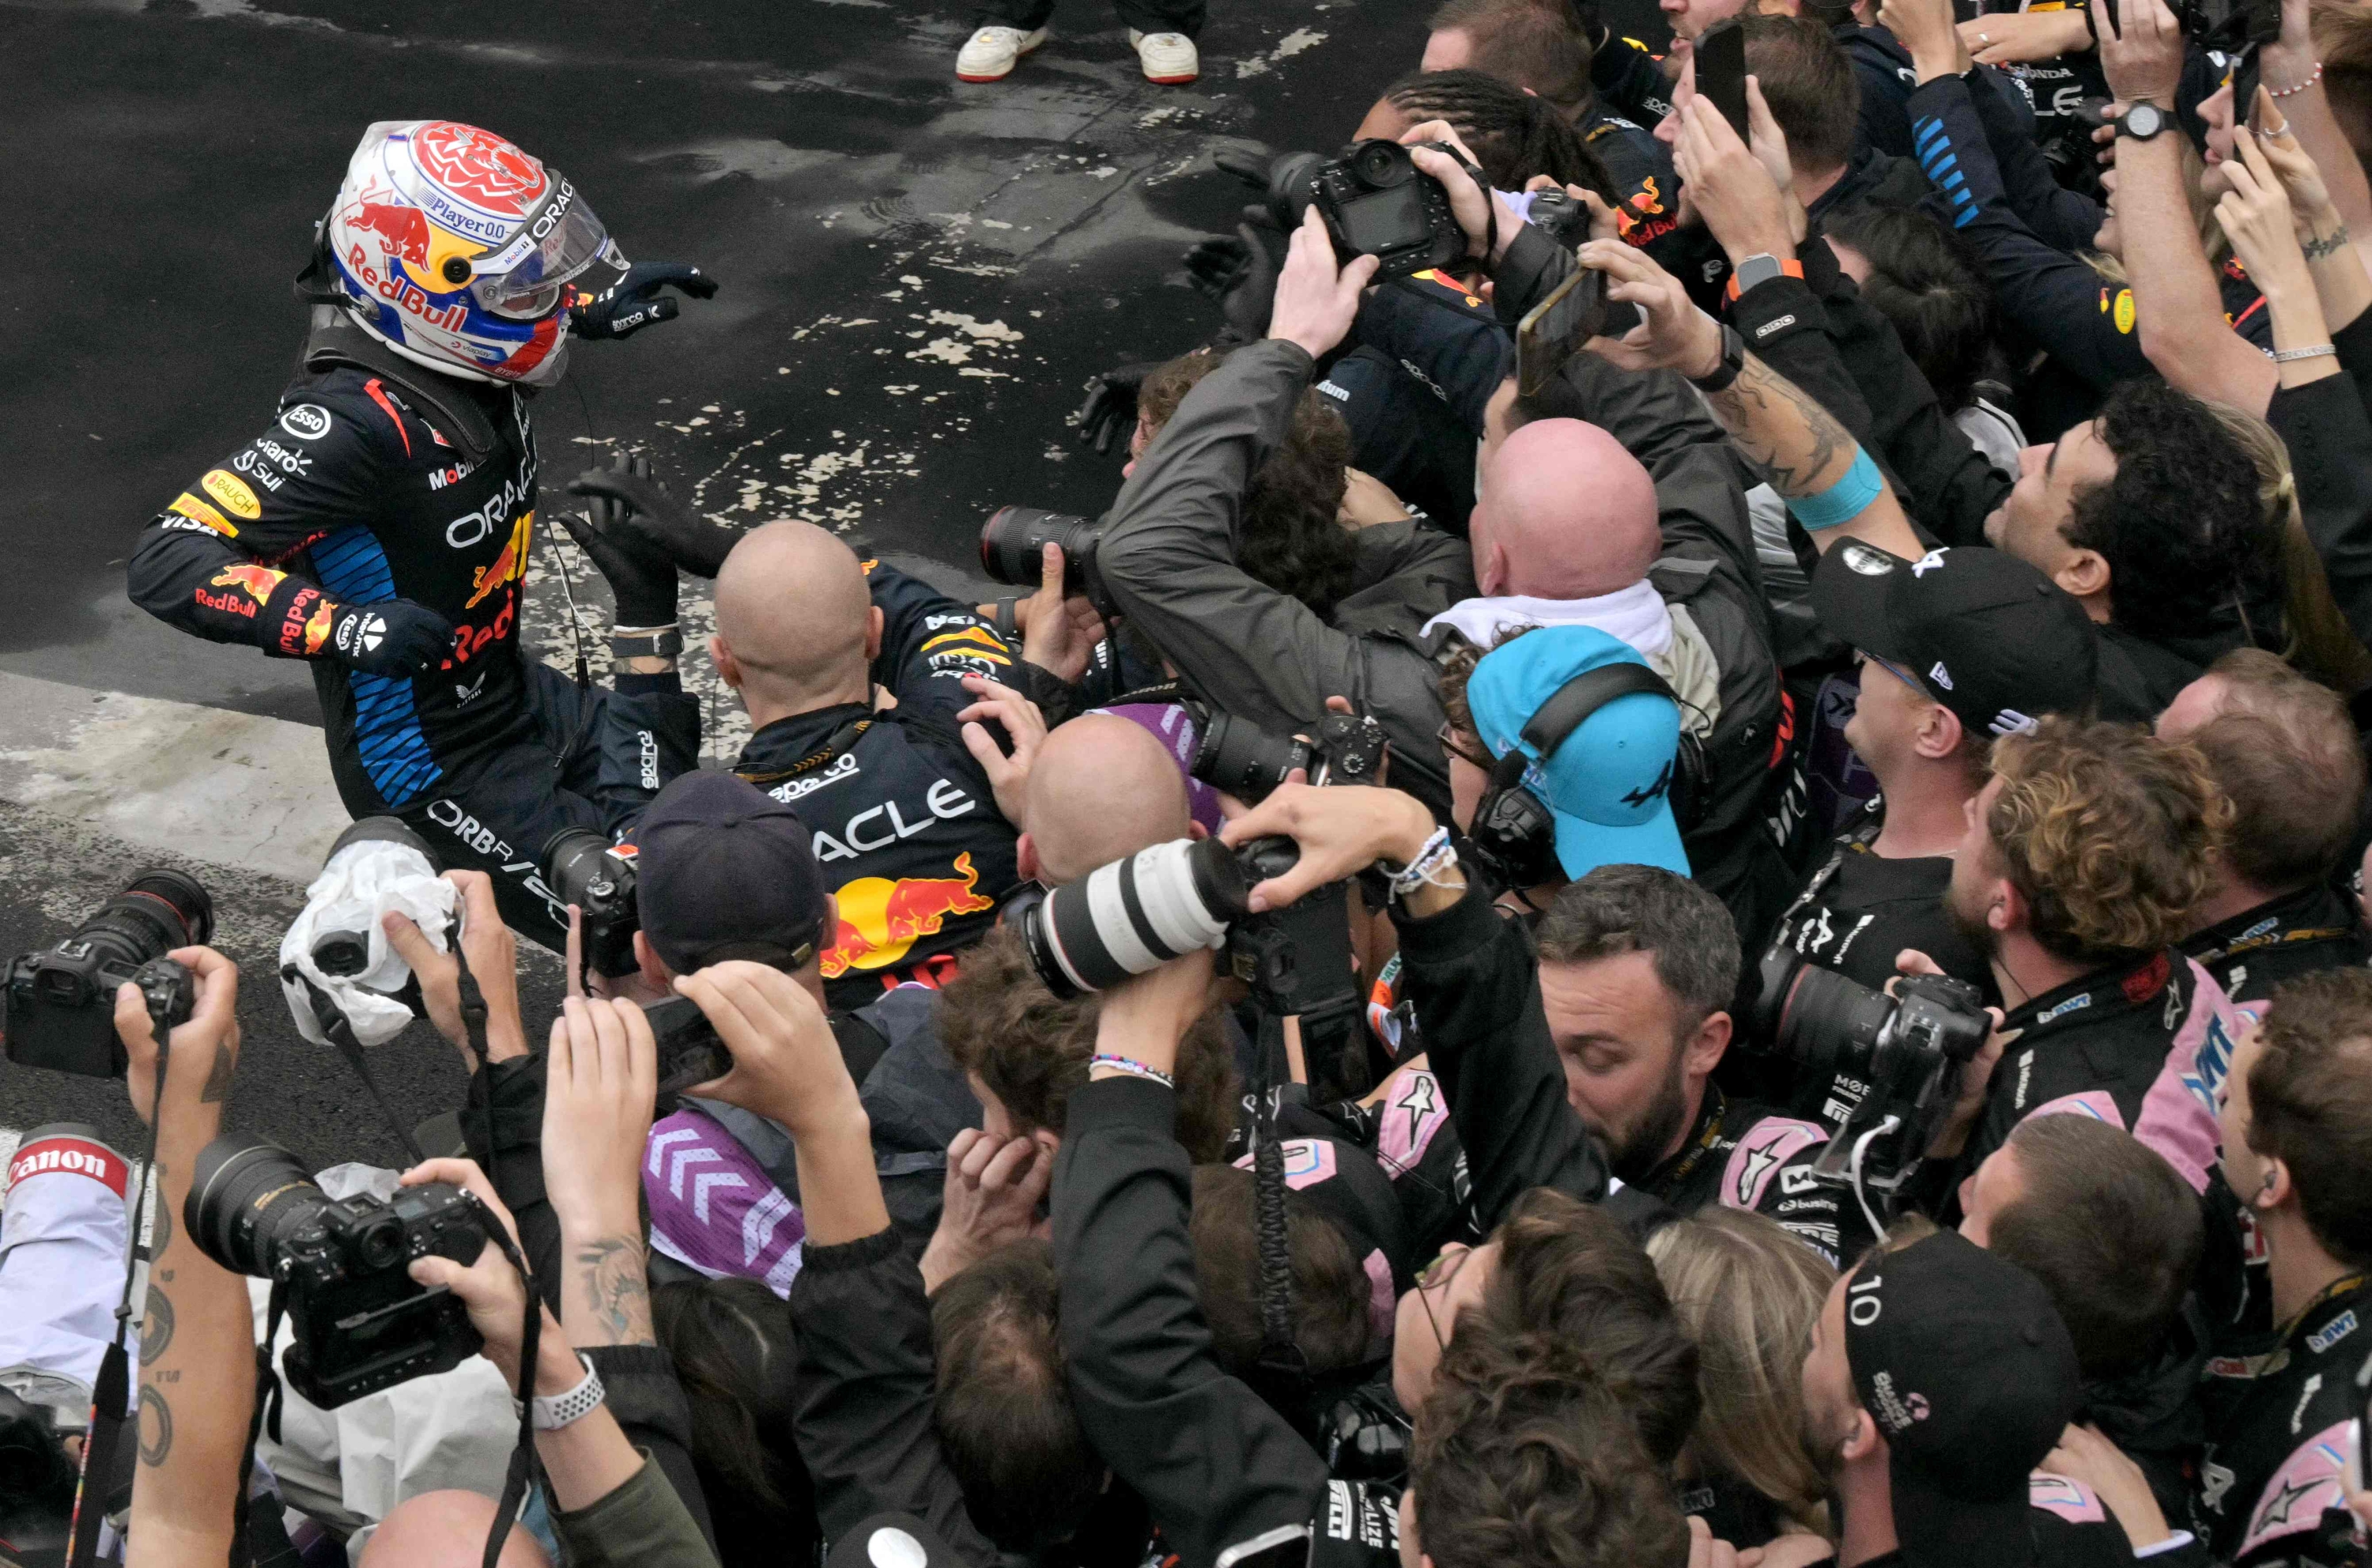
1842,502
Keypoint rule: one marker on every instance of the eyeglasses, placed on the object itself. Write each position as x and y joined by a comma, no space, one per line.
1453,746
1437,1276
1895,670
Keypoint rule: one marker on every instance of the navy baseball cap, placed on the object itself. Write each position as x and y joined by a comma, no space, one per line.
1962,1360
724,870
1609,784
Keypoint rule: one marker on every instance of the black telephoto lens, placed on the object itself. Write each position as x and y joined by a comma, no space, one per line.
1241,758
1013,545
348,952
1819,1017
159,912
247,1197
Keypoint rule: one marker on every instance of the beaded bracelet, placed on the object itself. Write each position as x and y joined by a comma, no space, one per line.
1133,1067
2313,78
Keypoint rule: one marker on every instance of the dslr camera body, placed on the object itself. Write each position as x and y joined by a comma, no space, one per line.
360,1322
1238,757
581,867
61,999
1375,202
1910,1047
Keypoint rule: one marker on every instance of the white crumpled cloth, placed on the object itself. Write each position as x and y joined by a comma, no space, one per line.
362,882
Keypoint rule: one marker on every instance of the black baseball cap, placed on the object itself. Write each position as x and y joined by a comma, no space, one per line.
725,870
1962,1360
1989,636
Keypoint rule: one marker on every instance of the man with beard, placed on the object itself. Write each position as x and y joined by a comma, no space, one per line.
1938,1381
2087,855
1638,969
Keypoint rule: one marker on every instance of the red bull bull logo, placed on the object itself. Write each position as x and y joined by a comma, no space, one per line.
402,231
259,581
881,919
509,566
316,627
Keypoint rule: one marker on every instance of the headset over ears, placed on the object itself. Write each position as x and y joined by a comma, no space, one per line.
1513,829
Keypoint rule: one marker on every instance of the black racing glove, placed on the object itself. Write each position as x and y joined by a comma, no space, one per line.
1111,409
641,574
394,636
1239,271
691,542
633,302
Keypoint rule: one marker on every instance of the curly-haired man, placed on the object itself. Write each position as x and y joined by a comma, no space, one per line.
2085,857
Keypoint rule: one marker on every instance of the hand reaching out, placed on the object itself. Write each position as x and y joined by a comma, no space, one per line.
1007,776
492,951
1743,208
1341,831
1672,332
2143,58
992,1196
203,1051
2255,215
786,1062
1315,300
600,1078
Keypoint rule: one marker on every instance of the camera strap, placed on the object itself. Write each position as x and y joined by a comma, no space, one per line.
111,1393
341,1034
1281,1360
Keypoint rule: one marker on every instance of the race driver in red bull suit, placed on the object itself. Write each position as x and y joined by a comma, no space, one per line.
381,524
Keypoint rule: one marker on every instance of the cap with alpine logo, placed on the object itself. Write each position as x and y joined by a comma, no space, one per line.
1987,635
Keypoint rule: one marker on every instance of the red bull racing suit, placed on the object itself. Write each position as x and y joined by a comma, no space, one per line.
380,480
905,823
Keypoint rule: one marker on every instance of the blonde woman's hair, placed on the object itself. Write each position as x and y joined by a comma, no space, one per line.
2212,237
1750,1292
2320,640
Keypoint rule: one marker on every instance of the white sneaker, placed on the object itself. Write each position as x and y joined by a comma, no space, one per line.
992,52
1169,57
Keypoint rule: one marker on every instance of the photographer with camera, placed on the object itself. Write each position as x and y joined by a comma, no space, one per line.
2085,859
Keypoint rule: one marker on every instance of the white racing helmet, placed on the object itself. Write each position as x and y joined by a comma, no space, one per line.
456,247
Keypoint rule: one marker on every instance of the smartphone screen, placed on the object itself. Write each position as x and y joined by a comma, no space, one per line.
1554,331
1721,73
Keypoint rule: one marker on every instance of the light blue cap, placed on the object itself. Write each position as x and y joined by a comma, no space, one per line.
1608,785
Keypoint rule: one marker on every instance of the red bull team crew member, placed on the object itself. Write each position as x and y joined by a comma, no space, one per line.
380,526
906,823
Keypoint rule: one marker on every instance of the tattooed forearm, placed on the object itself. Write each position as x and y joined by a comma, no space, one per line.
2319,247
615,1289
155,1426
1783,430
156,1326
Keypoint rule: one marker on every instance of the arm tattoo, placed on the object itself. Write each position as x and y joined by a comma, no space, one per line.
616,1288
2318,248
1782,429
155,1426
157,1327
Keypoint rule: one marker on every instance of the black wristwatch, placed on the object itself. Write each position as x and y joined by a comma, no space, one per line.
1733,361
2141,122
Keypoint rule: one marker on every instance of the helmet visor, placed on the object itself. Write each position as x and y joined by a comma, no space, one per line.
524,280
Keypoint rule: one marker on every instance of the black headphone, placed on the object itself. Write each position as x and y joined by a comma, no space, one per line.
1514,832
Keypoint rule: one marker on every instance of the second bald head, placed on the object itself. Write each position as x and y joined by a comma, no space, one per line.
794,613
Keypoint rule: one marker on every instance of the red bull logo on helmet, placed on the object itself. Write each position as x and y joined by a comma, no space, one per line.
880,918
